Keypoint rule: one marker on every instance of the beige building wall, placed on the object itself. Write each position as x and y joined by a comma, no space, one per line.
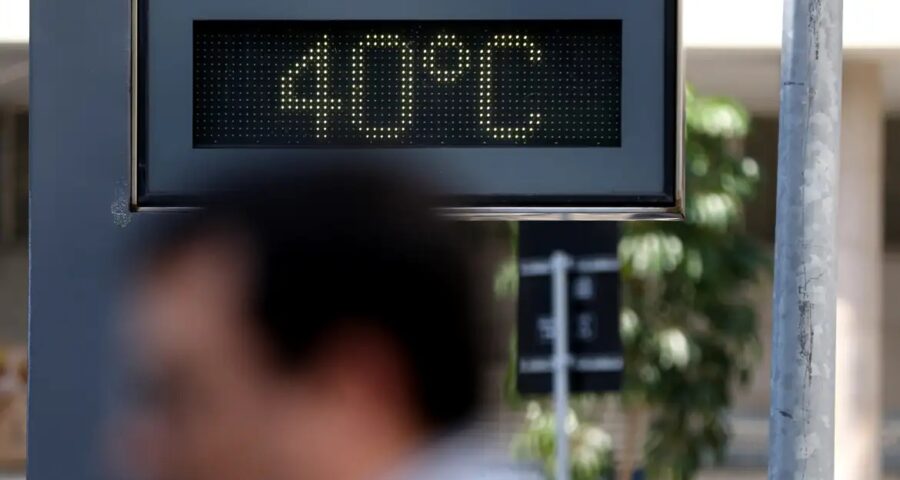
754,401
762,145
751,410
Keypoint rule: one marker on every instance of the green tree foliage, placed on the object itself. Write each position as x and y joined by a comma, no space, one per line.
688,330
591,453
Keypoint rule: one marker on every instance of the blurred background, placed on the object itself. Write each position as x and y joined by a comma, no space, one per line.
656,424
13,233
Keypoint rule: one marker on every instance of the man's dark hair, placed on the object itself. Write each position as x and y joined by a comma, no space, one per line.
345,248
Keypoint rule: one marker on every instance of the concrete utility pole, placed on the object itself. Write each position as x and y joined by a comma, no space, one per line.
801,419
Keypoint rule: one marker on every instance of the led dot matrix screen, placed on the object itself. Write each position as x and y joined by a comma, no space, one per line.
407,83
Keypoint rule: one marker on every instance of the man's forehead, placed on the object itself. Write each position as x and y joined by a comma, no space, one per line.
204,253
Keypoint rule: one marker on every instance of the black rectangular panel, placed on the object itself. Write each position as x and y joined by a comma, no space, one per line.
594,342
407,83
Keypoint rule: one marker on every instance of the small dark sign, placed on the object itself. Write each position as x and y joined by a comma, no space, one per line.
594,343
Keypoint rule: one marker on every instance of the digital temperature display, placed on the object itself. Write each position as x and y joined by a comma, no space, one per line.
407,83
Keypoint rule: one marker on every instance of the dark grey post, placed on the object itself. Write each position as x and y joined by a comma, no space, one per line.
79,146
801,420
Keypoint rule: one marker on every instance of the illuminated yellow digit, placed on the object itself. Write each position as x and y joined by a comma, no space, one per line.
358,92
322,105
445,41
484,90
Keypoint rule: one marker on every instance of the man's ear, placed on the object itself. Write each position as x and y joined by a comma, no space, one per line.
364,366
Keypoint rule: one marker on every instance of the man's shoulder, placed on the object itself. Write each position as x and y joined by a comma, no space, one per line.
505,472
472,464
468,457
477,471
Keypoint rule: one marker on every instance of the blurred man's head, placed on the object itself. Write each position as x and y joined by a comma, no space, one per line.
309,328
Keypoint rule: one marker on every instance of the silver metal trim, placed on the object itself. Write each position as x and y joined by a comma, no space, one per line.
673,213
680,113
133,201
619,214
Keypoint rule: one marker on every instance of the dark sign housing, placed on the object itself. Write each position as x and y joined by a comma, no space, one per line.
527,108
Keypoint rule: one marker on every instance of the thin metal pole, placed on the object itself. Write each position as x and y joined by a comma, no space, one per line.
801,419
559,264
